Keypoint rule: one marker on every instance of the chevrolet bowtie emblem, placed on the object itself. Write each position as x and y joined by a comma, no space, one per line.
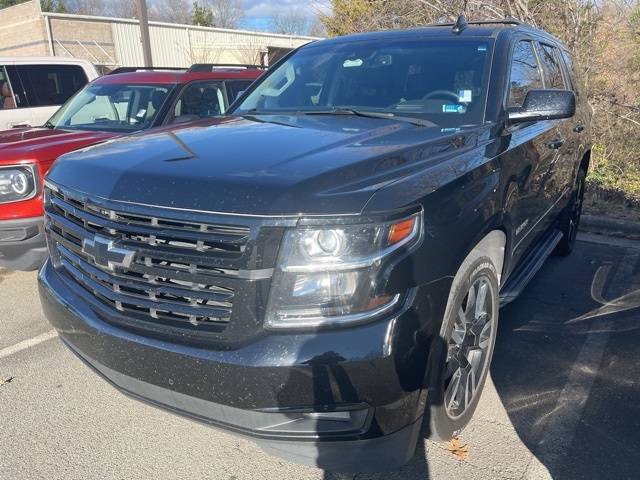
106,253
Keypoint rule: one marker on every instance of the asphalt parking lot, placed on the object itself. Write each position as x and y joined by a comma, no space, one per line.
563,401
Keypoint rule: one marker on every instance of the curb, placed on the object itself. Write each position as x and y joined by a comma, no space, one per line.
611,226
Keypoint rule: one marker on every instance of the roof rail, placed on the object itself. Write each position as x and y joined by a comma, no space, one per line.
209,67
142,69
462,22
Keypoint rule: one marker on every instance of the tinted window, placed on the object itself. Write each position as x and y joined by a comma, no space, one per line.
199,100
7,100
47,85
235,88
552,70
525,74
444,81
117,108
572,75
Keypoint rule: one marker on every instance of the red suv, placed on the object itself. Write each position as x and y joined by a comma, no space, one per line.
124,102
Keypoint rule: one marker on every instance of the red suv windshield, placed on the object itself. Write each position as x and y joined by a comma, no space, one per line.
112,107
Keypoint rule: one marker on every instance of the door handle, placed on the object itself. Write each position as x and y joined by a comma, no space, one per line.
556,144
579,128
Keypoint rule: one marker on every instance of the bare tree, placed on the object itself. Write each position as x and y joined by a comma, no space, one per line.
86,7
226,13
293,22
172,11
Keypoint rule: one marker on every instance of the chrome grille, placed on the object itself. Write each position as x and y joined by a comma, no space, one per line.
182,273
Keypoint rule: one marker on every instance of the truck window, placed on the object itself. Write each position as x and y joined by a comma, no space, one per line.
7,100
50,85
551,67
235,88
525,73
117,108
199,100
442,81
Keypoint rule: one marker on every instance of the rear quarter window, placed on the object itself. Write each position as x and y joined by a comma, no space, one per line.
51,85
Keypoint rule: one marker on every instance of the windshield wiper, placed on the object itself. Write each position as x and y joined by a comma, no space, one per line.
360,113
49,125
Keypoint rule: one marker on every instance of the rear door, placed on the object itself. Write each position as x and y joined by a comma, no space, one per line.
13,106
47,86
563,143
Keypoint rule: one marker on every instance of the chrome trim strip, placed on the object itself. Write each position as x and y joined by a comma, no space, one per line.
287,219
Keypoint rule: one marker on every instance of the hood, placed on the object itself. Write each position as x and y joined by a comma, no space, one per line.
264,165
43,144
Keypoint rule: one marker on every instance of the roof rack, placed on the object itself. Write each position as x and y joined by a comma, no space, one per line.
209,67
461,23
142,69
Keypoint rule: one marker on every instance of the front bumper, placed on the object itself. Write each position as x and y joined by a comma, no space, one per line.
302,396
22,244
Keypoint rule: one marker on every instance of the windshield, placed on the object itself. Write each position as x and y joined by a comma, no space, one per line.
443,81
113,108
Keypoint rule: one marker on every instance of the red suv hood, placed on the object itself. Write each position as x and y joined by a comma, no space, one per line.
43,144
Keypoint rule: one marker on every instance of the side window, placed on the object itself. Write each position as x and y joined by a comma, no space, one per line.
525,74
199,100
235,88
50,85
7,100
573,78
550,65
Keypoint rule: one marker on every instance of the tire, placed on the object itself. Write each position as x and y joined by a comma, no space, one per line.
446,414
570,218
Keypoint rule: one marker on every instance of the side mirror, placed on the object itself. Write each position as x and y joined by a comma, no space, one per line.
544,105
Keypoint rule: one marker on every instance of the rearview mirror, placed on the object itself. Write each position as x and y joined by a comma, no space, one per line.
544,105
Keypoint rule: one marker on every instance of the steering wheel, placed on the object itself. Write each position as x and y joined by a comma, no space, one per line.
441,93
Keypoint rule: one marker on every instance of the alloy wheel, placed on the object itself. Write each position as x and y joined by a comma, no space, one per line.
468,347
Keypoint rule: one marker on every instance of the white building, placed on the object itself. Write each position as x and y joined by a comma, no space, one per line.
111,42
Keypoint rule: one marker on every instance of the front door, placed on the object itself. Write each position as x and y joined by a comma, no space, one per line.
529,162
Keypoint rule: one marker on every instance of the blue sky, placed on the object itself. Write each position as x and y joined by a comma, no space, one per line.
258,12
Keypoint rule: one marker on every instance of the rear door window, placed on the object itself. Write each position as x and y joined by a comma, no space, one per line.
525,73
50,85
551,67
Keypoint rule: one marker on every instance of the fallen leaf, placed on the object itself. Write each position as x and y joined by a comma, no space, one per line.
456,448
5,380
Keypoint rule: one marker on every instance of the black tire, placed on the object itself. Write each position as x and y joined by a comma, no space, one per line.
446,418
570,218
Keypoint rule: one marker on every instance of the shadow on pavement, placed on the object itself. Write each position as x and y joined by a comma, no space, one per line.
566,364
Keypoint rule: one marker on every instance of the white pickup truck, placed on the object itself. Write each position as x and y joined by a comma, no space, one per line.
33,88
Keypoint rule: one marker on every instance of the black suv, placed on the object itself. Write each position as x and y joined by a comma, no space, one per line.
322,268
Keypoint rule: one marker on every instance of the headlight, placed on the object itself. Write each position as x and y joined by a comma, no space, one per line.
17,183
331,275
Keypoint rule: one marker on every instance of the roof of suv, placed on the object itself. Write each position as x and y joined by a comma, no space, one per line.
171,77
489,28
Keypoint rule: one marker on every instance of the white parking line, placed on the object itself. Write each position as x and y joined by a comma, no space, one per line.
31,342
563,420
